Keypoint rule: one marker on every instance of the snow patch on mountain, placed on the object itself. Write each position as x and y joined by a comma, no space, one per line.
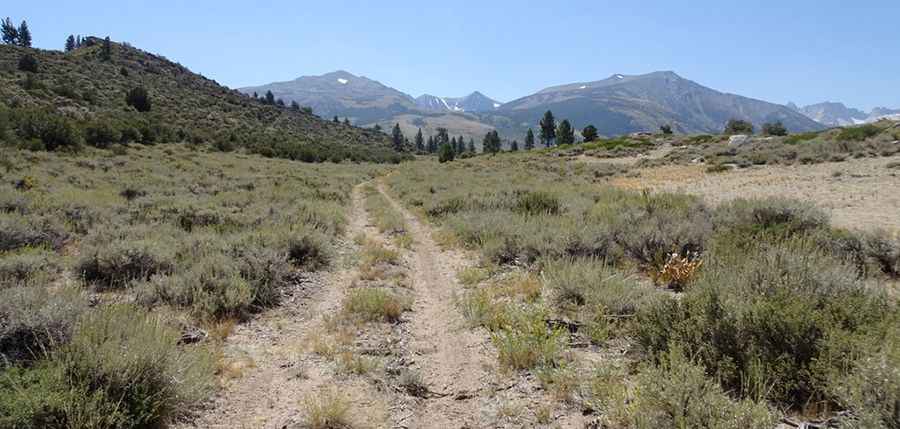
343,81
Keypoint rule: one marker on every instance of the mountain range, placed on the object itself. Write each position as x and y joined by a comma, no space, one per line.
617,105
837,114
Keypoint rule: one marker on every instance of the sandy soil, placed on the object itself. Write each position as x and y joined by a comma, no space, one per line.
859,193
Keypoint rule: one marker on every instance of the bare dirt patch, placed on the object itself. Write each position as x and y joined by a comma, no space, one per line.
858,194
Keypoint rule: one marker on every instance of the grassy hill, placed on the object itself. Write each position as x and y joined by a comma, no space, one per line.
80,98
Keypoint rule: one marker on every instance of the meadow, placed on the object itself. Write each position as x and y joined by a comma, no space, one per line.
121,272
658,310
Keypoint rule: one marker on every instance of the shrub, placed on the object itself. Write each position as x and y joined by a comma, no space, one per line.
34,320
858,134
309,251
446,153
778,217
217,286
650,227
28,268
757,316
102,134
594,284
139,99
774,129
122,369
17,231
536,203
52,129
870,390
121,262
375,304
737,126
526,342
28,63
676,393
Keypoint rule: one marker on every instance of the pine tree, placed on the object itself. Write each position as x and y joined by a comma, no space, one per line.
280,103
295,106
430,148
471,145
443,136
336,120
491,142
347,121
446,153
565,133
548,129
106,53
78,42
514,147
589,133
70,43
529,140
10,32
377,127
255,95
420,141
397,137
270,98
24,35
454,145
665,129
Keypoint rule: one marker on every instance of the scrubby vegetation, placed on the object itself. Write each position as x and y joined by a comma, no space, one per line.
732,315
836,145
106,94
106,259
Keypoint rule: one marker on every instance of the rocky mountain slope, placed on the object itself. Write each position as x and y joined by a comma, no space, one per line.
835,114
623,104
618,105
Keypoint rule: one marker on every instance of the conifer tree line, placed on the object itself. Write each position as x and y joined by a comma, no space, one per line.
12,35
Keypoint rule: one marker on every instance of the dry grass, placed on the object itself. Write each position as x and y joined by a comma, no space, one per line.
327,410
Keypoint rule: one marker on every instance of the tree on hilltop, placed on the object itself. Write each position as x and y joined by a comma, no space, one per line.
24,35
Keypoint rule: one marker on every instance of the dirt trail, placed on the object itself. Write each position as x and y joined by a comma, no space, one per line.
268,360
454,361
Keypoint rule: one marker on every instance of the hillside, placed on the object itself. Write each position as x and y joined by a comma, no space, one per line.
623,104
185,106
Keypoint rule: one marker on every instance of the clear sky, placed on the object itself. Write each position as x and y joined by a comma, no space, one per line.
780,51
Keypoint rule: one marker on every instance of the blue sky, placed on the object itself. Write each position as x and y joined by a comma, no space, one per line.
780,51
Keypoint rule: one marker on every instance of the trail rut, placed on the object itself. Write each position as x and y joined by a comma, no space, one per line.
453,360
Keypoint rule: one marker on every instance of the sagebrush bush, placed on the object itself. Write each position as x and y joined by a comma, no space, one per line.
757,318
121,262
29,268
34,320
18,231
676,393
777,217
309,251
525,341
650,227
122,369
217,287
